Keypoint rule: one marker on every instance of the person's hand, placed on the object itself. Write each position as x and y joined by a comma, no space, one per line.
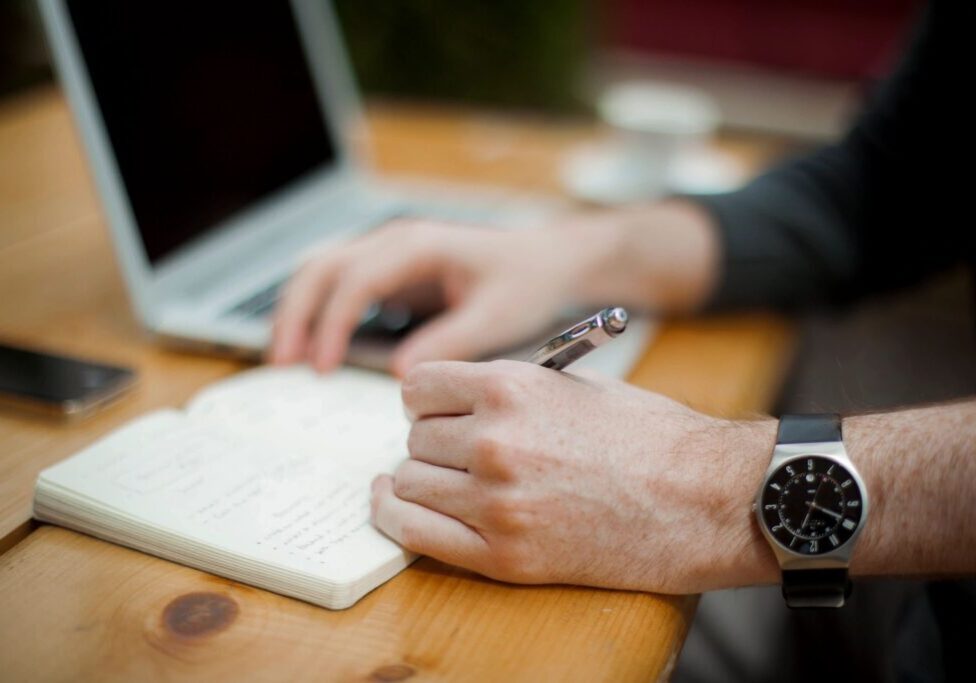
528,475
499,288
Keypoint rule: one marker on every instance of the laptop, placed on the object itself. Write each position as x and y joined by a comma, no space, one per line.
220,136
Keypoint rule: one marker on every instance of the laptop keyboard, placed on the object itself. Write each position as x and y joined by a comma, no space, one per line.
382,321
259,304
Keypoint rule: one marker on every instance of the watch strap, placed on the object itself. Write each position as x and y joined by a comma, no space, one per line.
816,588
809,429
813,588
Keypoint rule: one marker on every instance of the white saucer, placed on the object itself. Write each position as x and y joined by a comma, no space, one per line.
606,173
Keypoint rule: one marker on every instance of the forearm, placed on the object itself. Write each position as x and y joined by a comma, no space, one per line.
662,257
845,221
919,466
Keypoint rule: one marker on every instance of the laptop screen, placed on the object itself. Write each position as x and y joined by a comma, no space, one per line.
209,107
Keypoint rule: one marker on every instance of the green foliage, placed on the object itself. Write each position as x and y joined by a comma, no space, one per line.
504,52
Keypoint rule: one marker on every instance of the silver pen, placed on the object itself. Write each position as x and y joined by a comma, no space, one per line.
583,337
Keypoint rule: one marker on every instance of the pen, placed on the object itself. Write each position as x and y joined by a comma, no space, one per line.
583,337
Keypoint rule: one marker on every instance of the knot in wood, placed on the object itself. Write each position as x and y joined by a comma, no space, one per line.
392,672
199,614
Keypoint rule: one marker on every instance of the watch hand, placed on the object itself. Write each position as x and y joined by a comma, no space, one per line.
833,514
807,518
812,502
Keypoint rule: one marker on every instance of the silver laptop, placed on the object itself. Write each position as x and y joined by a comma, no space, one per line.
220,134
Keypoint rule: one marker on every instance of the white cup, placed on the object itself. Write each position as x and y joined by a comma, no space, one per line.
652,122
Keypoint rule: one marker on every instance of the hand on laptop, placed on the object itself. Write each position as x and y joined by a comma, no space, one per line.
499,288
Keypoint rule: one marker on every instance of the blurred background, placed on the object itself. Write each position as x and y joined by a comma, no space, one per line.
796,72
796,67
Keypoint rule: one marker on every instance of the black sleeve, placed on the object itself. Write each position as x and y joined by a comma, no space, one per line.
868,213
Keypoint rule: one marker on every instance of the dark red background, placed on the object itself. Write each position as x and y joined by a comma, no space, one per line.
853,39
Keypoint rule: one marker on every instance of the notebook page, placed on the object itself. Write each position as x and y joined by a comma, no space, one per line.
352,414
281,505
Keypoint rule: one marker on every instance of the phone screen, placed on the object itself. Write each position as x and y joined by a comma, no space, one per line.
70,383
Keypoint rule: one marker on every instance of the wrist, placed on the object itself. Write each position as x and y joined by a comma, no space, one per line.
873,555
589,259
741,556
661,257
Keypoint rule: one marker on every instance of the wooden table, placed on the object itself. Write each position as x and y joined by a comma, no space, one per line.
73,607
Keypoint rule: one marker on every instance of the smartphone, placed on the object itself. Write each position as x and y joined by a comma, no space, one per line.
58,385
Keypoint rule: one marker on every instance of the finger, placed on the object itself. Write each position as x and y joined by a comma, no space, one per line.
369,280
466,332
423,530
442,441
441,388
296,310
443,489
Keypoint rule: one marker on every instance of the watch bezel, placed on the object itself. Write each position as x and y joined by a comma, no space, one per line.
784,454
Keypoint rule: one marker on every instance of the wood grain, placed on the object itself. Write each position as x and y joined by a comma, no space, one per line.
80,609
104,617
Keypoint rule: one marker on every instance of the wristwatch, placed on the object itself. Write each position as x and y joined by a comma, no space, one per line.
811,508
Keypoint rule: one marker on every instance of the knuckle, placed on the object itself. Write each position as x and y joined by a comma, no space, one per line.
493,456
504,512
501,390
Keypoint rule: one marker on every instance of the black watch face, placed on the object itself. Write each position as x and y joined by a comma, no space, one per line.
811,505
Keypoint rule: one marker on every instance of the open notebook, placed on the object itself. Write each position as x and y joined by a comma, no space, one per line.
264,479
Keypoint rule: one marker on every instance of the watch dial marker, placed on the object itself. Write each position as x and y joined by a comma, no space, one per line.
810,500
